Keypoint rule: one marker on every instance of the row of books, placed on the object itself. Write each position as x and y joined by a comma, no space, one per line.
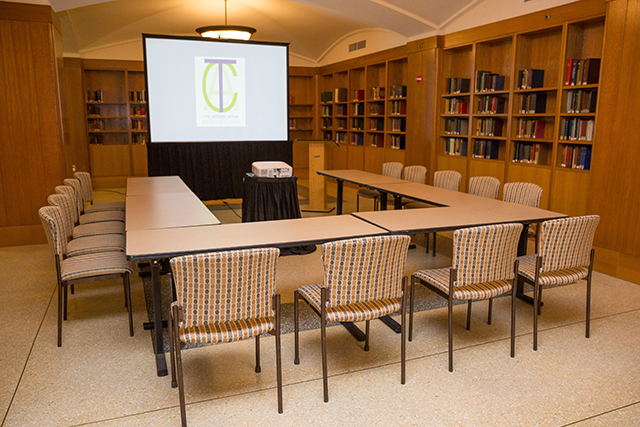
357,138
376,124
137,111
341,123
138,125
341,94
96,124
456,85
533,103
491,105
358,109
341,110
377,92
326,97
489,127
139,138
456,106
397,91
398,125
93,110
341,137
398,108
456,127
376,140
96,139
358,95
486,81
138,96
525,152
485,149
94,96
397,142
327,110
376,109
576,129
297,124
327,123
530,78
582,71
581,101
357,124
455,146
576,157
530,128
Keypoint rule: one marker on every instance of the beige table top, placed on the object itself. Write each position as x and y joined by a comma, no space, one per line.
156,184
429,193
164,243
166,210
360,177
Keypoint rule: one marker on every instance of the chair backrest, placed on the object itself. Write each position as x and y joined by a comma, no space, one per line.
567,242
392,169
66,205
484,254
484,186
523,193
53,223
415,173
225,286
87,186
77,188
364,269
71,193
449,180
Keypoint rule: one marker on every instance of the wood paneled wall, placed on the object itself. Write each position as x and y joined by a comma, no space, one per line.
31,157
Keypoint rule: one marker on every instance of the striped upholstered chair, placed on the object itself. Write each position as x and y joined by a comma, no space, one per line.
82,268
484,186
89,244
87,195
88,218
92,229
565,256
417,174
449,180
223,297
524,193
390,169
363,280
484,266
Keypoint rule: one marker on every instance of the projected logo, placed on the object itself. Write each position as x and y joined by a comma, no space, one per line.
220,91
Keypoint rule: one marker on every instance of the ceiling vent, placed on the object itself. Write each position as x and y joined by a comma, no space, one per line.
357,46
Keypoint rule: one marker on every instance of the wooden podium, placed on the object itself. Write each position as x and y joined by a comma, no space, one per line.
317,189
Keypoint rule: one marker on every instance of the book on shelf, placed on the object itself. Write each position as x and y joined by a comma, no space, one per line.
341,94
138,96
326,97
96,124
489,127
399,107
397,91
327,123
486,149
96,139
456,126
530,78
576,129
376,124
327,110
486,81
582,71
491,105
341,137
94,96
341,110
397,142
377,92
376,140
533,129
455,146
141,125
581,101
398,125
342,123
357,138
532,153
456,106
534,103
576,157
358,109
455,85
93,111
139,138
376,109
358,95
358,124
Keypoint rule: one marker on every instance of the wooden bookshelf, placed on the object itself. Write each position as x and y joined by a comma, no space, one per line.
302,115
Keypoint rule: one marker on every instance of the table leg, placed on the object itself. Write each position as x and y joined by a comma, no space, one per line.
158,344
383,201
339,197
397,202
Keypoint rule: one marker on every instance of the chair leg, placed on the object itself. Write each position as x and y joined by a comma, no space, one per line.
403,332
434,243
426,243
450,326
469,314
489,311
539,300
172,346
413,285
513,308
536,302
296,357
64,296
183,407
127,298
60,314
278,351
258,368
589,274
357,203
323,339
366,335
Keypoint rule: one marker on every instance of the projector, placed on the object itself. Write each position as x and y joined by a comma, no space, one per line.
271,169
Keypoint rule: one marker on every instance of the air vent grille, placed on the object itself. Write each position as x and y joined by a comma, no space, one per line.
358,45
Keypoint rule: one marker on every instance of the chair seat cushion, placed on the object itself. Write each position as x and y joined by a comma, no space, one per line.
227,331
107,206
368,193
439,278
97,228
97,264
356,312
101,216
93,244
527,269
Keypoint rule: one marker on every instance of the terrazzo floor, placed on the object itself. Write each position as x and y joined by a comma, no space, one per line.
103,377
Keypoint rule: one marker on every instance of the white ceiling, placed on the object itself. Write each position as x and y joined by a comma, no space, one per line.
312,27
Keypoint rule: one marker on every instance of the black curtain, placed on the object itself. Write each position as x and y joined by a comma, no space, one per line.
214,170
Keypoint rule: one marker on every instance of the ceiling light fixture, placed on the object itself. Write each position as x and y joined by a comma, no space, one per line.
235,32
